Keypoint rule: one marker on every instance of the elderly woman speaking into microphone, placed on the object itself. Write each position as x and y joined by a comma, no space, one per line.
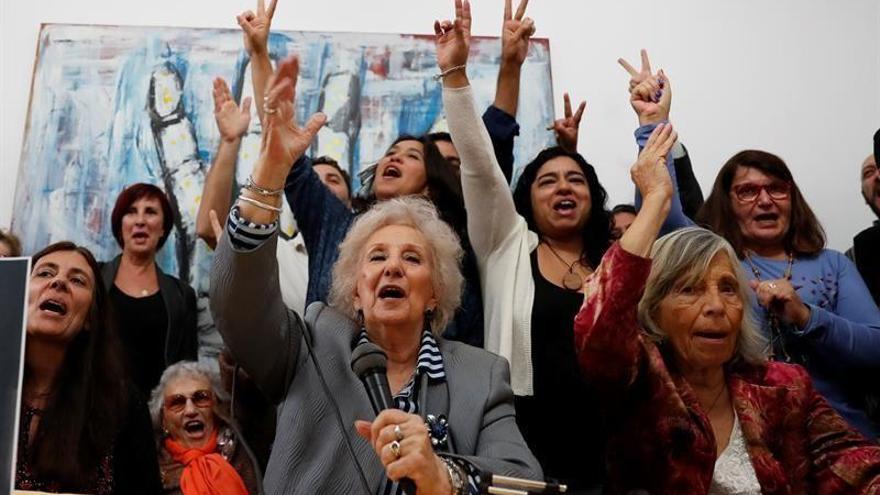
692,403
396,284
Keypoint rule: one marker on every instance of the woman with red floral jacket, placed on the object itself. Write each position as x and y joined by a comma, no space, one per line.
693,405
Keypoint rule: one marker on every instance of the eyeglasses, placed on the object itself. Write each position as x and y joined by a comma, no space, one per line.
200,398
749,192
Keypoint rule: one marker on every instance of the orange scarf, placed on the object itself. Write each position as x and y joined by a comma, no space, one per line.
206,472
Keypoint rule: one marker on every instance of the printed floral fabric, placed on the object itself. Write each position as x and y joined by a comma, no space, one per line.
661,441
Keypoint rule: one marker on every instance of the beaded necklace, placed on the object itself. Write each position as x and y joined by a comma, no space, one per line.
777,338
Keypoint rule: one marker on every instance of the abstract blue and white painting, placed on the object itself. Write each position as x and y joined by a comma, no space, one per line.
115,105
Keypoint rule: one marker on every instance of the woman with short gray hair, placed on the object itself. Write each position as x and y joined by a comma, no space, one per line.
448,417
691,402
200,450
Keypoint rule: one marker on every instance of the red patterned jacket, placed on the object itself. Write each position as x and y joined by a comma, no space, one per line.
661,441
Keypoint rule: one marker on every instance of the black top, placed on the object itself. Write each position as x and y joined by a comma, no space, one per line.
142,330
130,467
561,422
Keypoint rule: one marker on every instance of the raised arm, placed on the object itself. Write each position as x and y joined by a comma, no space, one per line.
607,334
232,123
651,99
486,191
516,31
566,129
500,117
246,298
256,27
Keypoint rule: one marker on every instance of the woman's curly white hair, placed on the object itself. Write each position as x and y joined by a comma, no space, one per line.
180,369
442,242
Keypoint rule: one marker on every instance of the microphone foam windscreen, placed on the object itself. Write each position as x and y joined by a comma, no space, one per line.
366,357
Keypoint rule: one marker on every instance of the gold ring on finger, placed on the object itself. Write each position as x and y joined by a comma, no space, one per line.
395,448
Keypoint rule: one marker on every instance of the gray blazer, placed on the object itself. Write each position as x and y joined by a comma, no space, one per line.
304,368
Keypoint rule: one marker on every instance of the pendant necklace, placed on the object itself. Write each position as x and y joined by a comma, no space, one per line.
777,338
571,280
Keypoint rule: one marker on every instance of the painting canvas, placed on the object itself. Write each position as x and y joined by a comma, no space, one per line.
114,105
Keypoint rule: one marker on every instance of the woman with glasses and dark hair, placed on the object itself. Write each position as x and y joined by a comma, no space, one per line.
157,312
811,301
201,452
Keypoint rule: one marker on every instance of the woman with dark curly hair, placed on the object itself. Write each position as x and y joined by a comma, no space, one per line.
81,430
534,249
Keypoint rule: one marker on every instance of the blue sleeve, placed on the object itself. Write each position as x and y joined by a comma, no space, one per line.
314,206
502,128
676,219
848,332
323,221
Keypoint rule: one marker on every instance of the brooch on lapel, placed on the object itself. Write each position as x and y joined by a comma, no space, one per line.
438,430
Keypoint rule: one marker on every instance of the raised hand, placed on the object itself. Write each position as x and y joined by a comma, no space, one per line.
652,99
452,38
284,141
649,173
256,27
413,457
566,129
637,76
515,33
782,299
232,121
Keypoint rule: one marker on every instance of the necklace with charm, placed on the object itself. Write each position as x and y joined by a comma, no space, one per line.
571,280
777,339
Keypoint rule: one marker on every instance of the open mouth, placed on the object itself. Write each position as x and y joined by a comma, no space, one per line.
391,292
392,171
565,206
766,217
194,427
54,306
711,335
139,236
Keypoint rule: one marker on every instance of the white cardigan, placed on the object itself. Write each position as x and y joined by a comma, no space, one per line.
500,238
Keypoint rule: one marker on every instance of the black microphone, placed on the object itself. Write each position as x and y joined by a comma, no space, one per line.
370,364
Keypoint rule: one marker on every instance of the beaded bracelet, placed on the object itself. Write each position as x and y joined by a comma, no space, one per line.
456,480
252,186
259,204
448,71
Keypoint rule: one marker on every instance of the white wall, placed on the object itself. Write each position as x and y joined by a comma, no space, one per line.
800,78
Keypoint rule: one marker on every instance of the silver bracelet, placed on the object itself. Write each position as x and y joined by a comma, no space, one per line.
259,204
252,186
448,71
456,478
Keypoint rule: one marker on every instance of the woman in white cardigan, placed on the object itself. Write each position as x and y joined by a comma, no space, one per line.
533,256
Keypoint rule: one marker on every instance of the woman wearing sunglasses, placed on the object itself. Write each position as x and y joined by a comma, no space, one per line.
811,302
200,451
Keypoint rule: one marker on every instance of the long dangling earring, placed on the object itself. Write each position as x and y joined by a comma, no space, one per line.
429,316
360,319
